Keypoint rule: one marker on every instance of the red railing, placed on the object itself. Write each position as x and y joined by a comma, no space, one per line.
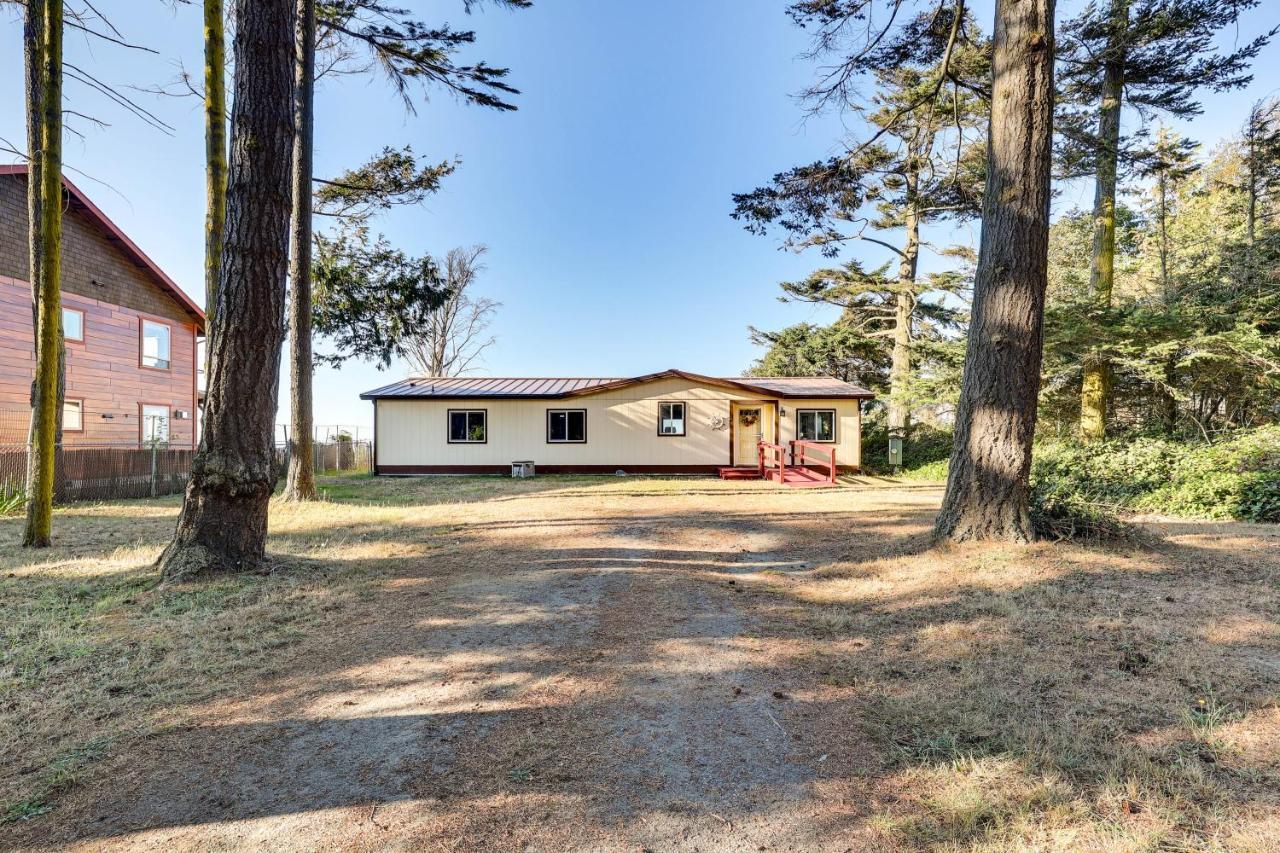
778,455
825,456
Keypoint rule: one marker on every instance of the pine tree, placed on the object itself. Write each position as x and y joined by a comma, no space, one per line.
215,153
300,483
987,492
919,163
43,35
407,52
223,525
1153,55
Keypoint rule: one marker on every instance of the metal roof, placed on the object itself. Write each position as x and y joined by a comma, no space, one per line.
805,386
456,387
483,386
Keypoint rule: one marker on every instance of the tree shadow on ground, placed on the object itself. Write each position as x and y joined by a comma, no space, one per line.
680,678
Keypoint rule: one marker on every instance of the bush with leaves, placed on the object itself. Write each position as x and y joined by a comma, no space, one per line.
1238,477
925,450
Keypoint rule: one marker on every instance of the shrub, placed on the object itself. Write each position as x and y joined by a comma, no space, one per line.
925,451
1238,477
1060,516
13,497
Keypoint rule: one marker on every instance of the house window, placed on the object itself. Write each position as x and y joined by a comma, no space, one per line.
816,425
73,415
72,324
566,426
671,419
155,345
468,426
153,425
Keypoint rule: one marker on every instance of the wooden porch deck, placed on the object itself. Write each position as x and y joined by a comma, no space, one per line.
795,473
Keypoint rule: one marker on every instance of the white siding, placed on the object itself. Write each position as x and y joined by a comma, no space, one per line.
622,429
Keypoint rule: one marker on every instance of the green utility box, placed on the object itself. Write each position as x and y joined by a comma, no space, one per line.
895,451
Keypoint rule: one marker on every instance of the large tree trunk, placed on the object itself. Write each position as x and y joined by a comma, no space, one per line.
215,155
44,188
1095,390
900,365
987,489
301,483
223,526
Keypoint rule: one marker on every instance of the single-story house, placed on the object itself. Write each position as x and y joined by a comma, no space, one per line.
667,422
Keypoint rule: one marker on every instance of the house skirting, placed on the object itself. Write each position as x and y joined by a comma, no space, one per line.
422,470
547,469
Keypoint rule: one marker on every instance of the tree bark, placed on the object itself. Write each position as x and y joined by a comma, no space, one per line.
45,23
1095,391
215,153
301,483
223,525
900,363
987,489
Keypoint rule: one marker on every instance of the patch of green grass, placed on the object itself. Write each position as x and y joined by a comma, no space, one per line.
57,776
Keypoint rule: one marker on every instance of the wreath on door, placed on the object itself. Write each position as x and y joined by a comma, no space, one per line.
748,417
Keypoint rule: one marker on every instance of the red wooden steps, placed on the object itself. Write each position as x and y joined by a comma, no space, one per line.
796,476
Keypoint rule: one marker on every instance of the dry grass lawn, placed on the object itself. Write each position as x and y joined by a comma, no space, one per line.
573,664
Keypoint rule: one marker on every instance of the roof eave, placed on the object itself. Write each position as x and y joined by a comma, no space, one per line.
115,234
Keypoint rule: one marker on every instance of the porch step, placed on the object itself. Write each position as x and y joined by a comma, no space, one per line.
800,478
739,473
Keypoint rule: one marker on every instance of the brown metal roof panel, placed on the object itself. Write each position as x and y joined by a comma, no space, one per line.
806,386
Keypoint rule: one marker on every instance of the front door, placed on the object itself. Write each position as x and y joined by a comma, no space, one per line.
752,423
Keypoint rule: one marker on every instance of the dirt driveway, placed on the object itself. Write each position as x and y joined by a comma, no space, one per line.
646,665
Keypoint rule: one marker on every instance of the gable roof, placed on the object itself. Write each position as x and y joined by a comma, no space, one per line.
552,388
81,204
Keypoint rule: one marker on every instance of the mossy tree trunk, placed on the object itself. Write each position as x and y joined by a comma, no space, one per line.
1095,390
301,482
215,153
43,33
223,525
904,309
987,487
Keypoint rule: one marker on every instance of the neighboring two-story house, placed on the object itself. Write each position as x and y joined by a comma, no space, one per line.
131,332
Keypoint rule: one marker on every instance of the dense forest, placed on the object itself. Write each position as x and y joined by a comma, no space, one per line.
1160,341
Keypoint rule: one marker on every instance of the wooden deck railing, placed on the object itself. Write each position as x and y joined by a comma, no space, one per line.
778,456
824,455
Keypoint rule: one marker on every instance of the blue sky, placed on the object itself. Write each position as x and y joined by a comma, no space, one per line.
604,200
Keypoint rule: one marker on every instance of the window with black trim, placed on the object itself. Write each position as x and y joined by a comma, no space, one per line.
468,426
816,425
671,419
566,426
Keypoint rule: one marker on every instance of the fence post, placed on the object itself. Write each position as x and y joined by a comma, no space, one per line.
153,468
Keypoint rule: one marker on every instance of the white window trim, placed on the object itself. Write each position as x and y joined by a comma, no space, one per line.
142,426
835,426
79,404
142,344
66,337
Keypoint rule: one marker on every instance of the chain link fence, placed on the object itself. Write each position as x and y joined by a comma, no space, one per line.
333,456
